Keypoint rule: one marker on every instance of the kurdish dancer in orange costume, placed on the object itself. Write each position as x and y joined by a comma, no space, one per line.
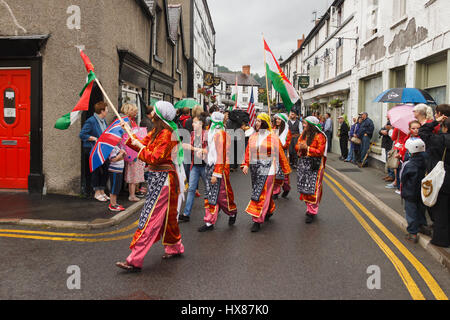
219,194
263,153
312,151
165,189
282,180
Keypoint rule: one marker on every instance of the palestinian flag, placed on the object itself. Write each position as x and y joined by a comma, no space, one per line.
67,120
279,80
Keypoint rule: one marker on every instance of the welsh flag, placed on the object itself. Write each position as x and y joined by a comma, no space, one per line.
67,120
279,80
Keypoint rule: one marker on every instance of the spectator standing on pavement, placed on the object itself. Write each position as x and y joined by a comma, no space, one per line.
351,154
296,128
115,172
399,138
91,131
328,129
411,178
343,137
438,146
365,134
134,170
386,144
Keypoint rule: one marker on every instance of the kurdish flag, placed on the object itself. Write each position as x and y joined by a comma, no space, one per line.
67,120
279,80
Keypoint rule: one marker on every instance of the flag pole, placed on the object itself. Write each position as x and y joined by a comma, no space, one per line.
127,129
267,81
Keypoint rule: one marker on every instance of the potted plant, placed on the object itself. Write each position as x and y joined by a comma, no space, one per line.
336,103
315,105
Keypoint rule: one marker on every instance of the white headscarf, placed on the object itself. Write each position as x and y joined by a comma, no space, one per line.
283,135
166,112
316,123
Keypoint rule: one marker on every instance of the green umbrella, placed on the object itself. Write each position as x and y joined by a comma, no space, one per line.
186,103
153,101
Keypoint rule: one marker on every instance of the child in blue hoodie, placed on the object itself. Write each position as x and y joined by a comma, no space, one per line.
411,178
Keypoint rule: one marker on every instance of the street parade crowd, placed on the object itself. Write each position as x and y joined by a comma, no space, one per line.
183,146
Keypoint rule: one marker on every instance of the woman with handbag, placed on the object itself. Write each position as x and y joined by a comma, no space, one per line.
263,153
312,152
351,153
438,149
399,138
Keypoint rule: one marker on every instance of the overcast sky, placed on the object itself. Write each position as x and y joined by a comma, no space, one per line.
239,26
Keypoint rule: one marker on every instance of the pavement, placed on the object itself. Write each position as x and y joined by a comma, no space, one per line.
62,212
71,212
368,184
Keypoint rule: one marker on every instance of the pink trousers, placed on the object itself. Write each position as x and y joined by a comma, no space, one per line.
154,230
313,209
222,203
286,186
268,201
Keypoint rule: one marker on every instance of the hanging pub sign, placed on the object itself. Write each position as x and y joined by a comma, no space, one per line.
208,79
217,81
303,82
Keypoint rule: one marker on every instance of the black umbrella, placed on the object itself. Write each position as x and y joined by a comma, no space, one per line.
405,95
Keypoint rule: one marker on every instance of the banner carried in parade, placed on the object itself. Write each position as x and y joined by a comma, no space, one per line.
279,80
70,118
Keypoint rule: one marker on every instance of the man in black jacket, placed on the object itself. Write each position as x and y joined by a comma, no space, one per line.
365,134
438,149
343,137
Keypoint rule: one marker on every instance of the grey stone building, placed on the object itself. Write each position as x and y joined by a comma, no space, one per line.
41,75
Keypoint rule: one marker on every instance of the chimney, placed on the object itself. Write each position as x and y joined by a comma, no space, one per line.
300,41
246,70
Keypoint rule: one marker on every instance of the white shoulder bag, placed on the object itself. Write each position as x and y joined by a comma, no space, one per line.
432,183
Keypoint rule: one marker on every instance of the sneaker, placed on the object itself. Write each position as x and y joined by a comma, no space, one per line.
412,238
232,221
205,228
398,192
268,216
255,228
183,218
391,186
285,194
116,208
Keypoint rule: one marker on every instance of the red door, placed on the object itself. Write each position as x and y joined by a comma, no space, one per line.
14,128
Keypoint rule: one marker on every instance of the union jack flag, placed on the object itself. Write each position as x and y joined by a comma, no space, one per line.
106,143
251,110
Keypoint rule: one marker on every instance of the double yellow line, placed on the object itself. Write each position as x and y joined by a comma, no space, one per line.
410,284
69,237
